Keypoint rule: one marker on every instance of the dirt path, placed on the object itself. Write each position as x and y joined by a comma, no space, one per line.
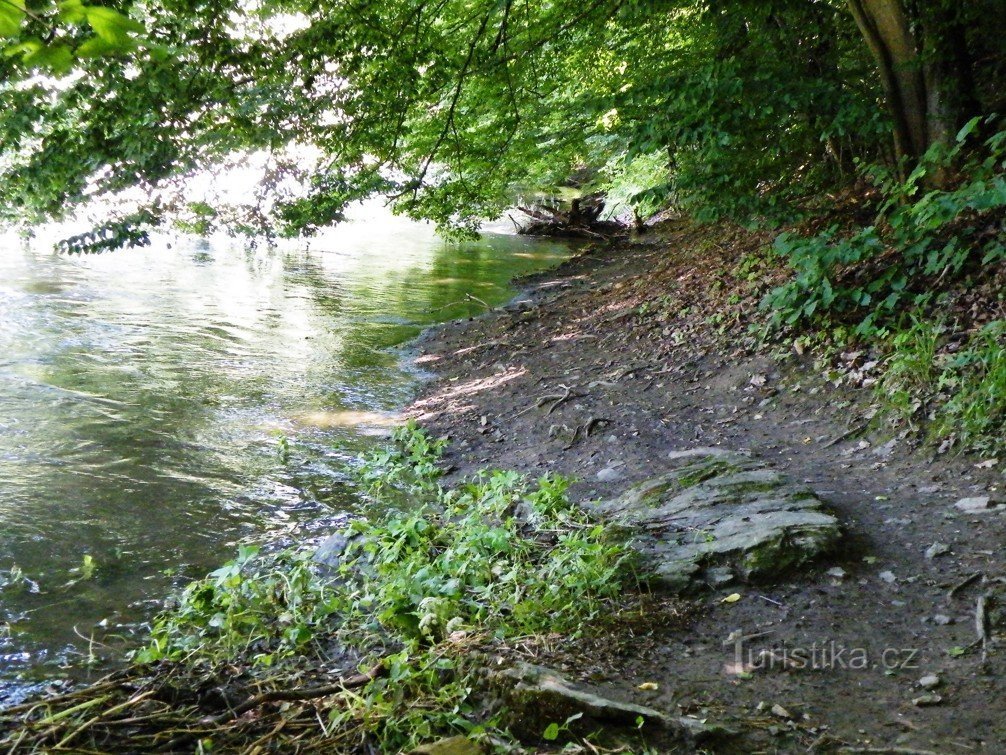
639,384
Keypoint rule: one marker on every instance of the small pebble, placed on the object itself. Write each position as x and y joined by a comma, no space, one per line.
609,474
937,549
929,681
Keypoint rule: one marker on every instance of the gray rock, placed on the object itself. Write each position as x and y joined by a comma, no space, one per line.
929,681
885,451
609,474
534,697
981,504
331,554
937,549
715,508
719,576
331,550
924,701
705,451
781,712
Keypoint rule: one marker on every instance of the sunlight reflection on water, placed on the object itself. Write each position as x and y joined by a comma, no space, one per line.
143,395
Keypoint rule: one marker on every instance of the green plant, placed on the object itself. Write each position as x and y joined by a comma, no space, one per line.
975,379
496,558
911,369
964,391
260,608
553,730
921,237
410,461
283,448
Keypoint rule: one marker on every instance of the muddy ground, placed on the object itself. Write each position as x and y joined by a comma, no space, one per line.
644,344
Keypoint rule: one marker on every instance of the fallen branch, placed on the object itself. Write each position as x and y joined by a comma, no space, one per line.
279,695
982,625
966,582
468,298
586,429
847,434
887,751
554,398
306,693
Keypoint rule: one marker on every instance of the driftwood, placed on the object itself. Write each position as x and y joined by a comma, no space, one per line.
582,219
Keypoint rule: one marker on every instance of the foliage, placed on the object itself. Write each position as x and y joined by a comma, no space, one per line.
410,461
450,108
958,395
259,608
744,109
128,232
975,379
921,236
53,37
496,558
911,369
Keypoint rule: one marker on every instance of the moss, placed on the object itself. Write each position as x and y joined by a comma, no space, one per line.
699,472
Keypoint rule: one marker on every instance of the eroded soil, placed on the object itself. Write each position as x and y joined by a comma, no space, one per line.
630,351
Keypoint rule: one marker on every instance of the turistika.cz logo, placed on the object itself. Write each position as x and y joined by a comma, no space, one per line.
825,655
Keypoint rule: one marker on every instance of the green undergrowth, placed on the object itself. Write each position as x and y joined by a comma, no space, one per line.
905,288
496,558
952,390
921,239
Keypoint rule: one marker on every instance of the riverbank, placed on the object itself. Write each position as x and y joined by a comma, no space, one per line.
510,612
631,351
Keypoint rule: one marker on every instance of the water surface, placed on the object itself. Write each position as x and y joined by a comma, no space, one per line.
144,396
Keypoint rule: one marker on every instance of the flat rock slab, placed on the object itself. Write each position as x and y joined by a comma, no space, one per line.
716,516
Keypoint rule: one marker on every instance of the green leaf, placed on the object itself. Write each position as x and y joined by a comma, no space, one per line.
72,11
112,26
11,16
97,47
968,128
23,48
551,732
57,58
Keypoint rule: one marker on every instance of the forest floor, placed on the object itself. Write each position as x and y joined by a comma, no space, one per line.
642,345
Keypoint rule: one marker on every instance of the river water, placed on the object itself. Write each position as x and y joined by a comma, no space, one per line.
145,397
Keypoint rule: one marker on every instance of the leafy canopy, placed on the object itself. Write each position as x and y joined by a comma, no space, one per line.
453,108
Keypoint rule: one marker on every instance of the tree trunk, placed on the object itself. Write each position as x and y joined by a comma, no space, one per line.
929,95
949,74
885,25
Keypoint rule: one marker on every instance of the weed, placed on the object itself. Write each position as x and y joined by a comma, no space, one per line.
911,370
920,239
497,558
410,462
975,378
964,391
